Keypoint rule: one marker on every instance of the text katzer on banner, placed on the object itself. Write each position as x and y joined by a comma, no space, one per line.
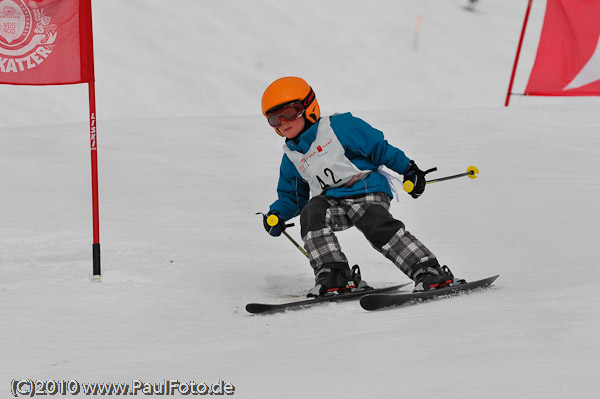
46,42
568,57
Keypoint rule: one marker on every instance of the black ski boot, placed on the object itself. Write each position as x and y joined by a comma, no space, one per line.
335,278
430,276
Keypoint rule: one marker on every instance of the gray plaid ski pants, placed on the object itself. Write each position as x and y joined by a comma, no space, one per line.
323,216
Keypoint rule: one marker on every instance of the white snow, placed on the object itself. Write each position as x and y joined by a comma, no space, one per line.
186,159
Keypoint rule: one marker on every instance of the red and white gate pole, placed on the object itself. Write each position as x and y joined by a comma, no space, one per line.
95,207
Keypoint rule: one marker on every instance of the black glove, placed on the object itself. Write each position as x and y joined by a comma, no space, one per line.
278,228
417,177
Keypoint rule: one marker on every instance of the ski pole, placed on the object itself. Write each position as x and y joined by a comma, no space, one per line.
471,172
273,220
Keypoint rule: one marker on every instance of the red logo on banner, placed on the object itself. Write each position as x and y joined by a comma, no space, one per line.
45,42
26,36
568,58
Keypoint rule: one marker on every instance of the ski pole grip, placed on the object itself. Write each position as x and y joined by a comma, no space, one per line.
408,185
272,220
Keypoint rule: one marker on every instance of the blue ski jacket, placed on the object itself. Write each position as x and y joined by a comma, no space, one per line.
364,146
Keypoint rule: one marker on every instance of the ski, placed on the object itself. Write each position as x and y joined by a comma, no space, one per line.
375,301
258,308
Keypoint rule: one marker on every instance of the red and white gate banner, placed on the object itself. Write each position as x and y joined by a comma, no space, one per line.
46,42
568,57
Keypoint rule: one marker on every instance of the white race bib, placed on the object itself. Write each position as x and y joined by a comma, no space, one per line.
325,165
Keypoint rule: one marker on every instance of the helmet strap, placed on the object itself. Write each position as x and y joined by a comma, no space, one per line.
310,97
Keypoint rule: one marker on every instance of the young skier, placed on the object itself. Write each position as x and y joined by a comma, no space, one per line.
336,160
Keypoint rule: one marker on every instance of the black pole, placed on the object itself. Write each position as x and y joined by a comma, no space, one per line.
295,243
469,173
289,237
96,262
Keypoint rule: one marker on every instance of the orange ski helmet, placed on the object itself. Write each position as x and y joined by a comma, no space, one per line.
287,90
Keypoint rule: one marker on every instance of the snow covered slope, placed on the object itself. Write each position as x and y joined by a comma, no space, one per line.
186,160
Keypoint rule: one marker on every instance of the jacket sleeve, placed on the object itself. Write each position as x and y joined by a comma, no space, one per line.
292,191
362,140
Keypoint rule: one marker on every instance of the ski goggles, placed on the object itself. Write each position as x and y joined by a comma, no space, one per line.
289,112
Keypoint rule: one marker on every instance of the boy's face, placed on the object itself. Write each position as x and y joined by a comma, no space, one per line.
291,129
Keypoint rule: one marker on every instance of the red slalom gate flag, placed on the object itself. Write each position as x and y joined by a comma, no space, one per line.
568,57
46,42
49,42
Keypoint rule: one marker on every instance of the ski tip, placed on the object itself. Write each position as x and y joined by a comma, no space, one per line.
256,308
369,302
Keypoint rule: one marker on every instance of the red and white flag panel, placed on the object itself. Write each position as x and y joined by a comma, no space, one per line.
46,42
568,57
